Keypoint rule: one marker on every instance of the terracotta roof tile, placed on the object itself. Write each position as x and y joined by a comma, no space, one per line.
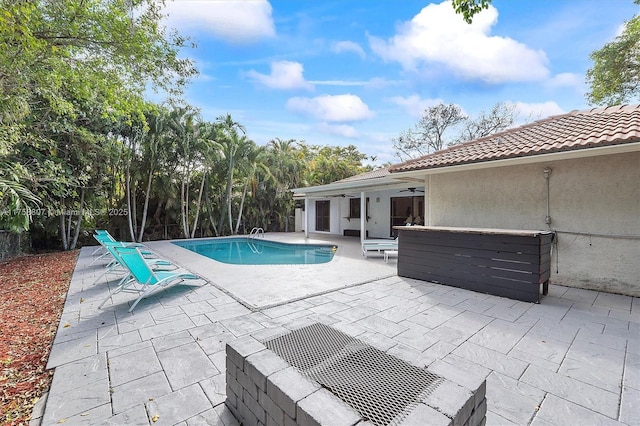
573,131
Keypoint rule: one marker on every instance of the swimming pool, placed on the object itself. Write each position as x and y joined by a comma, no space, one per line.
245,251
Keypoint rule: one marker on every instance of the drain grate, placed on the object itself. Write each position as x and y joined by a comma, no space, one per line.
382,388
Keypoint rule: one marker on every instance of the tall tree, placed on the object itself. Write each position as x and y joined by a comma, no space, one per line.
428,134
615,76
501,117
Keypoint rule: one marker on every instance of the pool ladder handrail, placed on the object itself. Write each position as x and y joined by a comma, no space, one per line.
256,232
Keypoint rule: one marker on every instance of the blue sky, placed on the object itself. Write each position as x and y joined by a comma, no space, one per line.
362,71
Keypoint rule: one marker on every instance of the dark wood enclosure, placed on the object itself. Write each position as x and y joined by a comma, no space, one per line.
508,263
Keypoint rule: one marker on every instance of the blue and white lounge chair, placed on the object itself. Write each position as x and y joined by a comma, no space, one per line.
116,266
103,236
144,280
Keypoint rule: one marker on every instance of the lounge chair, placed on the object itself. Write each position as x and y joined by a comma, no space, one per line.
117,265
379,245
144,280
102,236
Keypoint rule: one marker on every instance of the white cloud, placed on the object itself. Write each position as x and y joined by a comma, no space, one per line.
438,35
348,46
231,20
343,130
414,104
331,108
284,75
567,79
536,111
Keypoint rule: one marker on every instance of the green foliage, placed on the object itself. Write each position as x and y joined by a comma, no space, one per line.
469,8
615,76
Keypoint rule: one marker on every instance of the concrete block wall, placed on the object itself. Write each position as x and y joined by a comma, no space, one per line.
264,390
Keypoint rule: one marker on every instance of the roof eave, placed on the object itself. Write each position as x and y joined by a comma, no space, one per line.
532,159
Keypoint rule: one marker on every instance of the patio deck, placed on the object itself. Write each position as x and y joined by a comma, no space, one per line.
572,359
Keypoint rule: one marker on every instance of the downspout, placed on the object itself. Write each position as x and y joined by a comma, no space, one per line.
547,172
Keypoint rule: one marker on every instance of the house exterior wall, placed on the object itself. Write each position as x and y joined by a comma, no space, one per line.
594,206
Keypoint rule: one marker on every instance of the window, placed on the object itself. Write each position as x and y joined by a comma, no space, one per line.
322,215
354,207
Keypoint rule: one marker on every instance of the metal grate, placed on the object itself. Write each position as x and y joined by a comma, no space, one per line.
382,388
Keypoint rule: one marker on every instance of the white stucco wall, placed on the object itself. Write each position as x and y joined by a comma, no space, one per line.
594,206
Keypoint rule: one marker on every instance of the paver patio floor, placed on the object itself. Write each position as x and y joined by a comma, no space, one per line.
572,359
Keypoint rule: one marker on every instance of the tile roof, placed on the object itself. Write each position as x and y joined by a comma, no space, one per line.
377,173
576,130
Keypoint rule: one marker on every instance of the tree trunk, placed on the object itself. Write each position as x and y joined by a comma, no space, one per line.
183,210
195,221
244,194
63,232
128,196
146,204
79,222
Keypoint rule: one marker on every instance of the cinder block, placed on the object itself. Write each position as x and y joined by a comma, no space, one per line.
287,387
232,397
272,409
233,385
479,414
288,421
245,415
322,408
254,407
239,349
231,367
247,384
453,401
261,365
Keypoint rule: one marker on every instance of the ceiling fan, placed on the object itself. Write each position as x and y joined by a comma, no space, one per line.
412,190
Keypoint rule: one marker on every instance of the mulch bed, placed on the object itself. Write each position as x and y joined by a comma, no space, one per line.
32,294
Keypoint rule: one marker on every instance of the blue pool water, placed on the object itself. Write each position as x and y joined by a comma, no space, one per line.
244,251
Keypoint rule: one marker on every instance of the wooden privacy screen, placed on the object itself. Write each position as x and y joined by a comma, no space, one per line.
508,263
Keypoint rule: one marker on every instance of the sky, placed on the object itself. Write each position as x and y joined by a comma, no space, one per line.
360,72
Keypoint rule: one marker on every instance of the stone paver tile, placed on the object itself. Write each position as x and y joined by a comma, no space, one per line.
581,393
500,335
139,391
183,323
543,347
241,326
494,419
329,308
491,359
178,406
171,341
66,400
381,325
208,330
549,310
73,350
416,336
512,400
613,301
200,320
579,295
135,321
226,416
118,341
555,330
532,358
136,416
594,321
208,418
186,365
632,371
213,344
197,308
356,313
226,311
432,317
438,350
410,355
507,311
629,406
477,306
84,372
400,313
597,356
464,366
214,388
455,336
607,340
352,329
128,349
92,416
377,340
219,360
585,372
133,365
469,320
560,412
